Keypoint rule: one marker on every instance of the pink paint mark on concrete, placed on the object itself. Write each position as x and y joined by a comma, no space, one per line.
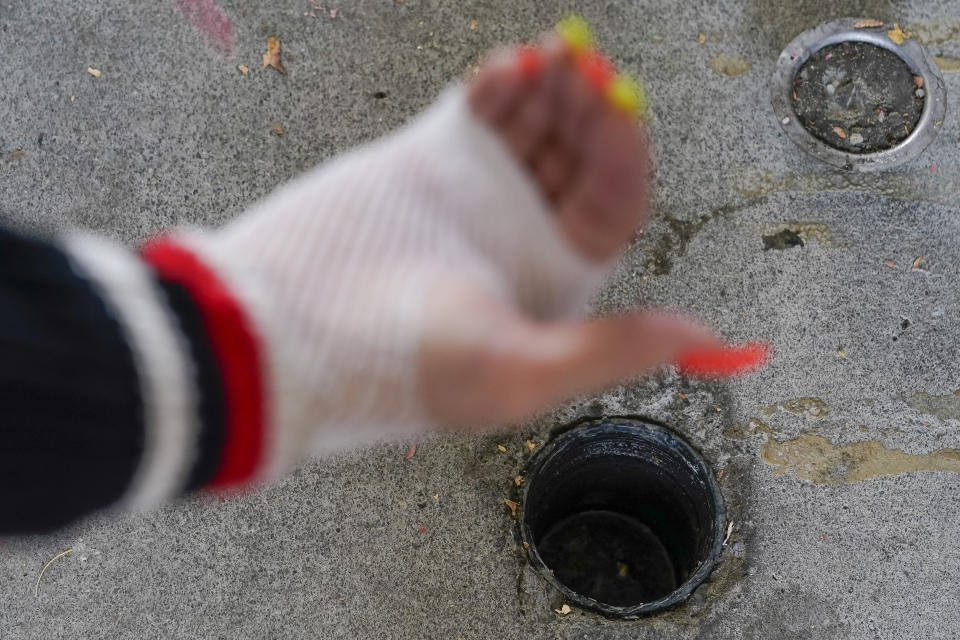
210,21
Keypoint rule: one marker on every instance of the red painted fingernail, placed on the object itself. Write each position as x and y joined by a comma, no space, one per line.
723,362
597,68
530,61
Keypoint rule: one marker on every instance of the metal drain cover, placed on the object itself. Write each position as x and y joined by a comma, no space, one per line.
856,99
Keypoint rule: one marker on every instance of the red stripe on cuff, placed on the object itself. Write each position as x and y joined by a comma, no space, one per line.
236,350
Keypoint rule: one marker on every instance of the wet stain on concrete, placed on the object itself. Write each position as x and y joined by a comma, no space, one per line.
932,33
729,65
944,407
808,405
942,187
947,64
673,244
816,459
784,239
666,247
753,427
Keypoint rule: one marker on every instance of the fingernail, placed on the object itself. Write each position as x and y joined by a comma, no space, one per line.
530,61
725,361
597,69
575,32
629,95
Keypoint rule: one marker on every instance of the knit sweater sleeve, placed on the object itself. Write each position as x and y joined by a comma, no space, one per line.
109,397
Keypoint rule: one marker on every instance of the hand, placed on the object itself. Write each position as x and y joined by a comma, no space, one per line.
483,361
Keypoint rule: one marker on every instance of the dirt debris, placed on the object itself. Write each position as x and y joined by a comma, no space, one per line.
272,57
897,34
729,65
814,458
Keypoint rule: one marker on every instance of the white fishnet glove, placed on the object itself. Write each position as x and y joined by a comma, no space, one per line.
340,269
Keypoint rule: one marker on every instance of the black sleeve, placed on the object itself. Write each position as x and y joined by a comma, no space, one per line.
72,421
71,431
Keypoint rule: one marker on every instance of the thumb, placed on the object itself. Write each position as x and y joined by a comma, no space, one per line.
567,359
516,367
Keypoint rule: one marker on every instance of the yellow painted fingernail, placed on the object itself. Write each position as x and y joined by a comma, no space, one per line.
575,32
629,95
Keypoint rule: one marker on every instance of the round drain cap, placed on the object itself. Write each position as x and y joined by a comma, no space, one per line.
853,97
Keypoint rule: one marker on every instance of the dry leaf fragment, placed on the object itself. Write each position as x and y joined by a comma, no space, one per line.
473,24
916,263
890,263
518,480
271,58
513,506
94,72
841,353
526,545
531,445
681,395
918,80
896,34
409,454
276,129
701,38
866,23
502,448
422,528
342,598
840,132
243,69
564,610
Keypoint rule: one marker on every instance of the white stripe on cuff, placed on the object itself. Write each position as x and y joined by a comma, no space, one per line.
160,354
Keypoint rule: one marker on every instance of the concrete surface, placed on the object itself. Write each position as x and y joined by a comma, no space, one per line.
171,133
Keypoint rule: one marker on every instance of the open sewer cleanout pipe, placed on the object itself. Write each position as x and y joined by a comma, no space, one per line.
622,516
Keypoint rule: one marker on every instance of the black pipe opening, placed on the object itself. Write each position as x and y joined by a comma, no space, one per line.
622,516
